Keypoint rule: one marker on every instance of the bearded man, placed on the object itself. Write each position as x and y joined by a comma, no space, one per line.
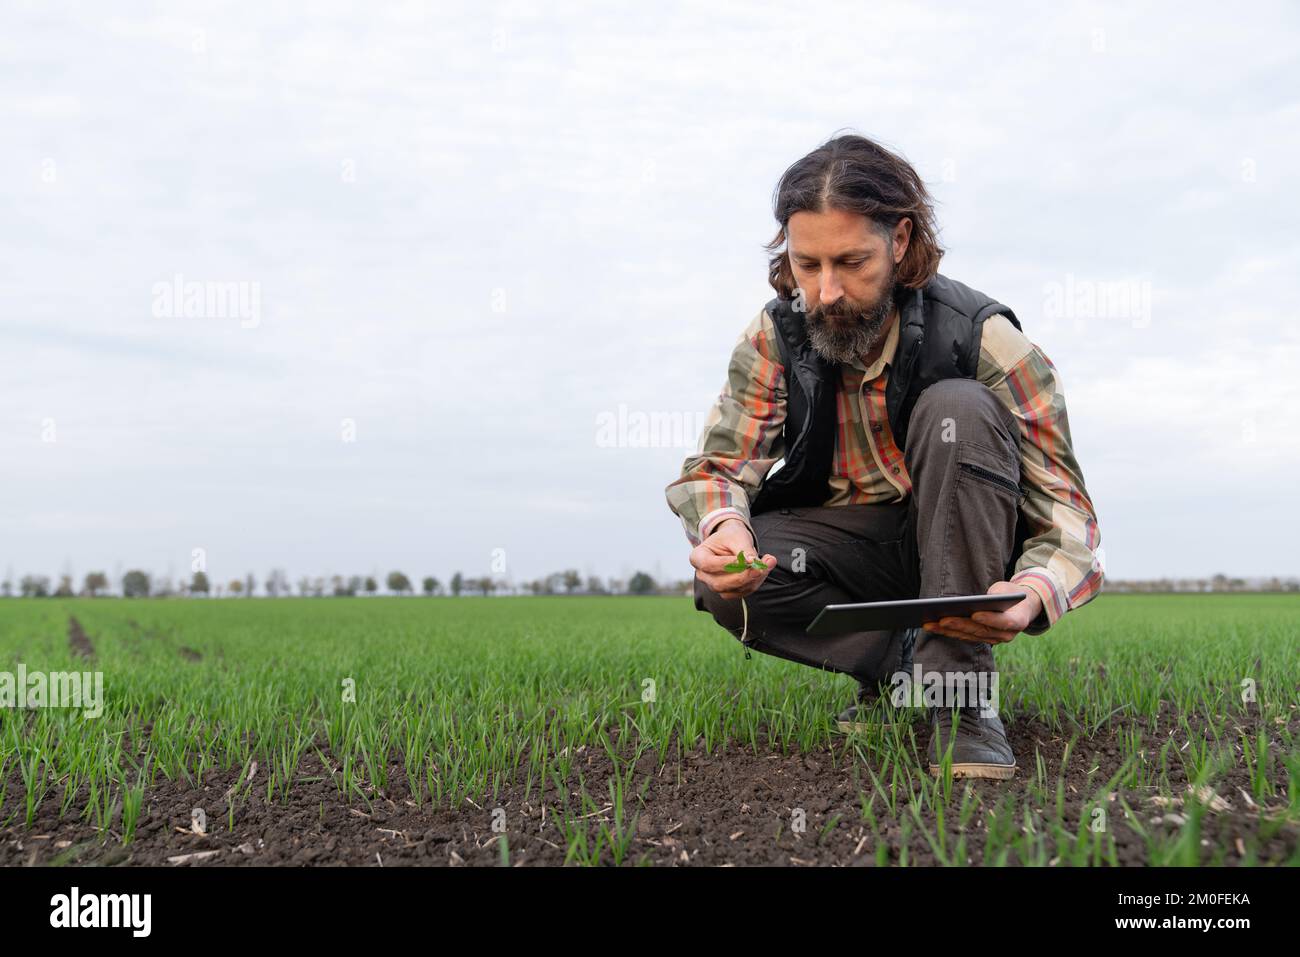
924,451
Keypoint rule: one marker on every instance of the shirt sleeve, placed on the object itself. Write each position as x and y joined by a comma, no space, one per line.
742,437
1059,560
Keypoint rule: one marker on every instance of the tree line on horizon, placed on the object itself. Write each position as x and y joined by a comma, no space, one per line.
139,584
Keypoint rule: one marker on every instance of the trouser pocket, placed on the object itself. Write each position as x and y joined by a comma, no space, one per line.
985,465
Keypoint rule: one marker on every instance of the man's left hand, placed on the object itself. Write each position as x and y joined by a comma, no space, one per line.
993,627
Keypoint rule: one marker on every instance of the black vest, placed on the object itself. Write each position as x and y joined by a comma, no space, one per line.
938,338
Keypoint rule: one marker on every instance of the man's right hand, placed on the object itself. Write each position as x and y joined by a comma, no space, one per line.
718,550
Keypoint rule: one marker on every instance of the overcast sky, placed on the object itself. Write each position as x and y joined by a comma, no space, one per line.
464,238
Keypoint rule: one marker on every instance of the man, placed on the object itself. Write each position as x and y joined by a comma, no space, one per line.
925,451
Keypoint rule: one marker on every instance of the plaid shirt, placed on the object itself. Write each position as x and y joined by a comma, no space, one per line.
742,441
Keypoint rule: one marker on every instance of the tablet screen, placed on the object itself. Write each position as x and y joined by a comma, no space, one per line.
888,615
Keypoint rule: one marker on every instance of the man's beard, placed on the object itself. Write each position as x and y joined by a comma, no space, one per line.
846,329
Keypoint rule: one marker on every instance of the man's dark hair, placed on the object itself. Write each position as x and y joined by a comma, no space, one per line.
852,173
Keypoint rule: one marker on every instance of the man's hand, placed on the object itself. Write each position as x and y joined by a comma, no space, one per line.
993,627
718,550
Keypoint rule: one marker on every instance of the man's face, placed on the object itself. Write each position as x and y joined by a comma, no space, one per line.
846,271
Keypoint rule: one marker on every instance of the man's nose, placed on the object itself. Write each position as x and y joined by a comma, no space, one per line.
830,290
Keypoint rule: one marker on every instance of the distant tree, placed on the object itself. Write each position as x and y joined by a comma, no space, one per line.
397,582
572,580
642,584
595,586
65,587
457,584
235,587
162,588
431,585
95,583
277,583
486,585
249,585
135,584
199,584
372,586
355,584
34,586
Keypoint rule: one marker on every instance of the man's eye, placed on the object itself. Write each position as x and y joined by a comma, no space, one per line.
811,267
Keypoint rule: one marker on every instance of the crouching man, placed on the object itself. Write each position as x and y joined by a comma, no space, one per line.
924,448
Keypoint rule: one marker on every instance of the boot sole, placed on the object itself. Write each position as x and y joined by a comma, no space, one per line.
998,772
861,727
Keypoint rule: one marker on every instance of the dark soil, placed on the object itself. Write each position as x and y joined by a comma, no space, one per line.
78,643
733,807
139,635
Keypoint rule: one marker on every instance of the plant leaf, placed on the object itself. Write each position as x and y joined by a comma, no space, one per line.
739,565
742,564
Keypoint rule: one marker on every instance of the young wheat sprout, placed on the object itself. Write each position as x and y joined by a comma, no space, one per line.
739,565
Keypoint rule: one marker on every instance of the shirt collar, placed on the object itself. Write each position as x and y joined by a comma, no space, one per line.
886,357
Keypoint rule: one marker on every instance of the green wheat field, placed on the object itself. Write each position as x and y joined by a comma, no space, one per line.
1154,729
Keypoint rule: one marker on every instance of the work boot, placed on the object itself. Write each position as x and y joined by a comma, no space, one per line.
979,745
864,713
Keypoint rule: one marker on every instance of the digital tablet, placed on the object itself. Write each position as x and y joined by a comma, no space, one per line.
887,615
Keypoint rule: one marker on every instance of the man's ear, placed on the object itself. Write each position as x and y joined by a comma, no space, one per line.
902,236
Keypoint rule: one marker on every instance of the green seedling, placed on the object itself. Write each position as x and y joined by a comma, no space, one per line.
739,565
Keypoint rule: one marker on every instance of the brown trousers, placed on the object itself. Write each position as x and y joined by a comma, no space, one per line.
957,533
